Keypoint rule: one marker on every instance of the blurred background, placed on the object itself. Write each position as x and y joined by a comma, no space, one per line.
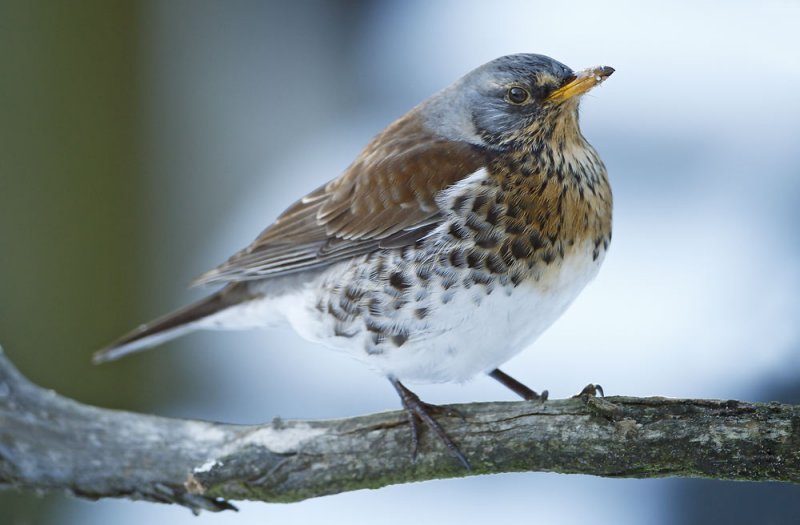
141,143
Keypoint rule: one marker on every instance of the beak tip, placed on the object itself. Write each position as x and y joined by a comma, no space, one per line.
606,71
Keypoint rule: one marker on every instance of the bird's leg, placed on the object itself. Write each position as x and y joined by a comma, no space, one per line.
518,388
417,411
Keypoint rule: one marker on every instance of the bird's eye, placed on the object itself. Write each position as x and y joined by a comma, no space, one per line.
517,95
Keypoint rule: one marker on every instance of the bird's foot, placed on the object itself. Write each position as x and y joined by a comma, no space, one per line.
518,388
419,411
599,405
446,410
590,390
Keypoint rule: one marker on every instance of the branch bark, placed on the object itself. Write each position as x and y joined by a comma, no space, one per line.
48,442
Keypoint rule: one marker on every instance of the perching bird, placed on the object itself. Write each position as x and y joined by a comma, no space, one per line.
456,237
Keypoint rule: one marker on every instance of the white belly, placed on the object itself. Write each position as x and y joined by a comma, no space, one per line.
472,333
482,337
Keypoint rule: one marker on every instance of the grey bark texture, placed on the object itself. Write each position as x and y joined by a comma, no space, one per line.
51,443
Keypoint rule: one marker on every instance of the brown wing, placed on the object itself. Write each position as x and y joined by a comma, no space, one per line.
385,198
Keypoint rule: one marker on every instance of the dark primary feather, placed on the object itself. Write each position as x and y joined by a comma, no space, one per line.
174,323
386,198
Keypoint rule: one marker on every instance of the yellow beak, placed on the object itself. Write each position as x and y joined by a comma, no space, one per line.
583,82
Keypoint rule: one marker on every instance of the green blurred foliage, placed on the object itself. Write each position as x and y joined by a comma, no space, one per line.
70,199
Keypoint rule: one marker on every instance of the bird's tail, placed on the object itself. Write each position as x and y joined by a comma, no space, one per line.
172,325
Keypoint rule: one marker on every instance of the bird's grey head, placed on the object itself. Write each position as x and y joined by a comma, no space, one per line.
515,98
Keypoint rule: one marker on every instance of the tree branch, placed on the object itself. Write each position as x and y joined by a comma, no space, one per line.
48,442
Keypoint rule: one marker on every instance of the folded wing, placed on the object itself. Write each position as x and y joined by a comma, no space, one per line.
386,198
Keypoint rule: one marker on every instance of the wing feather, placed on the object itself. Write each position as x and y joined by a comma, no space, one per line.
386,198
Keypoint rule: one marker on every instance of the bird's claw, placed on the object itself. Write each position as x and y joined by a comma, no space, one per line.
591,390
542,397
419,411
